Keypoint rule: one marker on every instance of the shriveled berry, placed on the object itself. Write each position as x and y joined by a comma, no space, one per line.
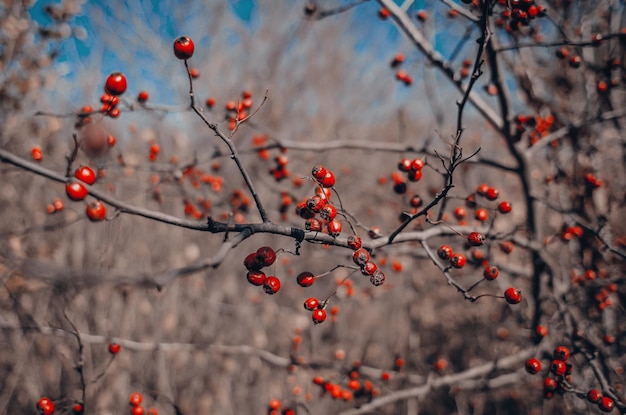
328,212
360,257
313,225
354,242
377,278
305,279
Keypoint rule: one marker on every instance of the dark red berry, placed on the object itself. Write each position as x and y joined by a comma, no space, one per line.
561,353
271,285
266,256
475,238
305,279
256,277
444,252
183,47
533,366
354,242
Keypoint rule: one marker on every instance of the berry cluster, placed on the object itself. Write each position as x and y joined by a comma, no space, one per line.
362,258
353,387
275,405
317,211
520,13
76,191
559,379
254,262
135,401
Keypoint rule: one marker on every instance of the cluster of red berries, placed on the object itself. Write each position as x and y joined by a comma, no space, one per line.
114,86
96,210
560,381
57,205
446,253
412,168
237,112
254,262
401,74
135,401
318,308
354,387
275,405
520,13
280,171
362,258
317,211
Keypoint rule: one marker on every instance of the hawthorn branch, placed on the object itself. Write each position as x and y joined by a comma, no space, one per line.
231,147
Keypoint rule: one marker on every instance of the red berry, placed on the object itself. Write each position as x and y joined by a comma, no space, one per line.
491,273
475,238
305,279
115,84
315,203
252,262
334,227
404,165
361,256
460,213
558,367
512,295
506,247
137,410
46,406
541,331
142,96
183,47
271,285
561,353
606,404
384,13
549,385
311,304
96,211
318,316
417,164
414,175
318,172
369,268
152,411
416,201
328,212
504,207
114,348
354,242
422,15
481,214
594,396
76,191
36,153
533,366
458,260
135,399
256,277
491,193
266,256
328,180
482,189
78,408
444,252
85,174
313,225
